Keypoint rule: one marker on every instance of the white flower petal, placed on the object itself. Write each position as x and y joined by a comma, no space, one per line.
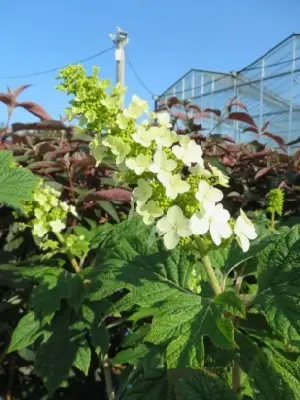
184,231
175,215
203,189
163,225
214,194
226,231
220,214
244,243
171,239
143,191
198,224
215,234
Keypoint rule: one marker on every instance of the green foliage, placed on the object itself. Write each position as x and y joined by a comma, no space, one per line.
270,374
180,344
279,283
180,384
16,183
146,316
26,332
58,326
53,285
195,332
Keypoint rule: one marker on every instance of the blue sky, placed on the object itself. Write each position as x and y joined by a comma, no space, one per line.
167,38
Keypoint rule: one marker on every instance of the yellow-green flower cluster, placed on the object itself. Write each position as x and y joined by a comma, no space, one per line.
172,186
275,201
47,216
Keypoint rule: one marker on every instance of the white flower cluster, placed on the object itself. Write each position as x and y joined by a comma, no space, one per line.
173,186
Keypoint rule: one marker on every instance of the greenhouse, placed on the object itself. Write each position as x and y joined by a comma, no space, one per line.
269,87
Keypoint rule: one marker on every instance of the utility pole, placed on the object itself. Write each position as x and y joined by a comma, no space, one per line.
120,39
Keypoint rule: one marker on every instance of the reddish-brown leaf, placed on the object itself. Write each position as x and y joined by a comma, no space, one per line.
251,129
262,172
43,164
233,148
34,109
197,136
284,185
242,117
214,111
10,98
229,161
110,195
42,148
257,154
194,107
265,125
276,138
50,125
6,98
174,101
228,139
15,93
296,141
218,137
238,103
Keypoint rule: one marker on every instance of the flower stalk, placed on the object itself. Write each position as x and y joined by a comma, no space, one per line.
211,275
69,254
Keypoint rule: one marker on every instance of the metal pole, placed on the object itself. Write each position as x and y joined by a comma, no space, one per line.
212,103
120,39
262,75
183,89
235,122
293,66
193,85
201,94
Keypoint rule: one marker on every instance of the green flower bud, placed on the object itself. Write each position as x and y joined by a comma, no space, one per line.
275,201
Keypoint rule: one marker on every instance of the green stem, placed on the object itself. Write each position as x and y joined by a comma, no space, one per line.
211,275
236,377
272,228
73,262
108,378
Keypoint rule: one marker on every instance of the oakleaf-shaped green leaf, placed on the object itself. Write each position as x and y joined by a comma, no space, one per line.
53,285
153,385
132,243
199,385
184,321
159,279
279,284
270,374
129,259
56,356
16,183
179,384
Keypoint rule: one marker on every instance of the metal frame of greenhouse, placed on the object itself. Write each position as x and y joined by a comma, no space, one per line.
269,87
